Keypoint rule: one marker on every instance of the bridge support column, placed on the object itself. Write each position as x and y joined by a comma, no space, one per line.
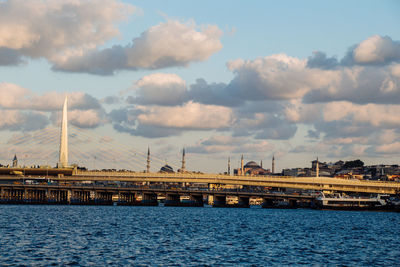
267,203
172,200
104,198
244,202
149,199
293,203
219,201
69,196
197,200
279,204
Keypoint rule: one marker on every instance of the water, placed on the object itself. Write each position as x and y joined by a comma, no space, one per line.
94,235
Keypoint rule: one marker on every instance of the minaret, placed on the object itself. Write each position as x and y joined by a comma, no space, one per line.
241,165
63,160
183,169
273,164
148,160
261,164
15,161
317,169
229,166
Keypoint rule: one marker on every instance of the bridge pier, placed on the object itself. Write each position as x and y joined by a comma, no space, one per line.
219,201
57,197
293,203
80,197
127,199
149,199
103,198
270,203
244,202
172,200
13,196
197,200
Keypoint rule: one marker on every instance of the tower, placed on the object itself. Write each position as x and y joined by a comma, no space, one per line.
241,165
317,169
63,160
229,166
15,161
273,164
148,160
183,160
261,164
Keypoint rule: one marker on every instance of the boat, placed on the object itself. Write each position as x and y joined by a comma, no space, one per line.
339,201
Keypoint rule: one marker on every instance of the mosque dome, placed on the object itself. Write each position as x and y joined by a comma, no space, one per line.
166,168
251,165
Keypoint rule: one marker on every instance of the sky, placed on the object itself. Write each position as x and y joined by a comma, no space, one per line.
293,79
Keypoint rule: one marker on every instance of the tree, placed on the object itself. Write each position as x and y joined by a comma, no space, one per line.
353,164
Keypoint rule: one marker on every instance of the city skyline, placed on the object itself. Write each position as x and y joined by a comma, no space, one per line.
263,79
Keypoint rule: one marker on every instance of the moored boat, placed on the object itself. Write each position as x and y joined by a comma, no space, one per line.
339,201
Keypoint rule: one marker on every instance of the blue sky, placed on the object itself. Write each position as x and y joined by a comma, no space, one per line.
250,101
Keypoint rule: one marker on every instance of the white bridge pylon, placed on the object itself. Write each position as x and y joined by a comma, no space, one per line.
66,145
63,158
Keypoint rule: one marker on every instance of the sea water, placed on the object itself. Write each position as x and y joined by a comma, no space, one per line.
172,236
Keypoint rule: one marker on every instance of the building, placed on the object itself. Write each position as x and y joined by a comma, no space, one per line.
167,169
251,168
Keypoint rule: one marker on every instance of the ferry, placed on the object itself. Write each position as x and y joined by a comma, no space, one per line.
339,201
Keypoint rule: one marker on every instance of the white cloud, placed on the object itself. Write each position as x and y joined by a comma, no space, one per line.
392,148
13,96
19,98
22,106
174,43
384,116
168,44
160,89
9,118
58,30
189,116
360,84
376,50
85,118
298,112
16,120
228,144
276,77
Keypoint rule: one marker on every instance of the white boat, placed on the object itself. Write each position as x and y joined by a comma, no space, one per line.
339,201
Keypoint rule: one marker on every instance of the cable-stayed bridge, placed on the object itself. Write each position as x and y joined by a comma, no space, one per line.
85,146
86,149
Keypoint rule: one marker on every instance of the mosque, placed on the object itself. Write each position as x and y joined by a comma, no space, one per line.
167,168
252,168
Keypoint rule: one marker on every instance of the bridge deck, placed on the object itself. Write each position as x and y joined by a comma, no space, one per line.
306,183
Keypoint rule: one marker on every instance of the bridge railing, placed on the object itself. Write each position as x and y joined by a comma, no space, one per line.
231,177
177,174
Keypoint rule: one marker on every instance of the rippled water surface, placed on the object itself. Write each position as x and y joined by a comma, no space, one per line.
92,235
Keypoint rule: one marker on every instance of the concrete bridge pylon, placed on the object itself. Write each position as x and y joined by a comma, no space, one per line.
63,158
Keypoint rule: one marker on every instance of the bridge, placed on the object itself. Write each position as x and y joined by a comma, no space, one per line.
69,176
137,195
303,183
